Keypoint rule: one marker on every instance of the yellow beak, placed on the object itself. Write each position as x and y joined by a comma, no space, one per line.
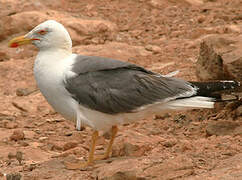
18,41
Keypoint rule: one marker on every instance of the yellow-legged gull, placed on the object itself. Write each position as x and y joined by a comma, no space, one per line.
103,93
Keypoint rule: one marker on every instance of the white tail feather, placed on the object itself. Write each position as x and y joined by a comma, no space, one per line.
191,103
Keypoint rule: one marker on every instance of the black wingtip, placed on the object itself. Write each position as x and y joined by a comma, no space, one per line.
214,89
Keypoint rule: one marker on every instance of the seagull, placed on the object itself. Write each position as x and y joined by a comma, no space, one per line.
103,93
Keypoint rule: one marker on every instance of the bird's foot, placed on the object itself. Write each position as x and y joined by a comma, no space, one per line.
79,165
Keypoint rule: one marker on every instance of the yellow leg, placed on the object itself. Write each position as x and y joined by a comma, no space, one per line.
81,165
109,148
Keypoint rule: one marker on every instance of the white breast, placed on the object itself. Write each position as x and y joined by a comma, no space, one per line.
49,71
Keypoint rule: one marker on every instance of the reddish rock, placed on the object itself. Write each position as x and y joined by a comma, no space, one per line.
220,58
17,135
89,31
81,30
69,145
169,143
55,146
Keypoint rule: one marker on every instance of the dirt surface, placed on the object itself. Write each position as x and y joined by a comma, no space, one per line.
161,35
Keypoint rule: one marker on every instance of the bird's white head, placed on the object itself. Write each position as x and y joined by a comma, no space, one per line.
47,35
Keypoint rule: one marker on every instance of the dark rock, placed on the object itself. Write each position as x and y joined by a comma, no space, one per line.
222,128
11,155
170,143
210,64
19,157
220,58
130,149
13,176
238,111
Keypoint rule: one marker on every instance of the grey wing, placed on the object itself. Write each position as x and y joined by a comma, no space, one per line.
123,88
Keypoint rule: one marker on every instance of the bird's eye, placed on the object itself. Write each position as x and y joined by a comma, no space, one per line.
42,32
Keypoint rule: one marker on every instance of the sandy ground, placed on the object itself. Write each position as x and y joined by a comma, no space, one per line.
161,35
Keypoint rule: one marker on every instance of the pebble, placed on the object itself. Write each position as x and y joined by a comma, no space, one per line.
170,143
17,135
69,145
23,91
19,157
238,111
43,138
154,49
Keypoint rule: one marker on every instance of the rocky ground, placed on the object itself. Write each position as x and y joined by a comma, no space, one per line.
161,35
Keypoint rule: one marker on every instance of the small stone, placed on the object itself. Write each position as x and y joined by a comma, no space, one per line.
69,145
44,109
129,149
19,156
17,135
11,155
170,143
31,167
201,19
23,91
43,138
154,49
68,134
238,111
13,176
55,146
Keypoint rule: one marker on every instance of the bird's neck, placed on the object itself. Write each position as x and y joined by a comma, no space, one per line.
55,52
51,58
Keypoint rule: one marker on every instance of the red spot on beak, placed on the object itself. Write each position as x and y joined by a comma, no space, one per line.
35,39
14,45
